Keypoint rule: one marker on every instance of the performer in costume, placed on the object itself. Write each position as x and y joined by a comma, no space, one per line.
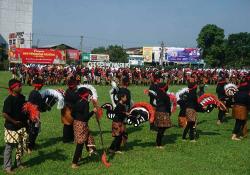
240,111
191,114
222,97
244,133
202,85
70,99
118,127
181,101
152,98
15,134
123,89
36,99
81,117
163,112
90,143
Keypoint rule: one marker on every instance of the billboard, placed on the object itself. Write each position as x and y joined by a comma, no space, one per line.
99,57
136,60
73,54
108,64
85,57
175,54
147,54
172,54
16,40
37,56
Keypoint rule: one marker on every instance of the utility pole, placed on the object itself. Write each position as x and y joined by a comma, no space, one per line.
81,43
31,36
37,43
162,53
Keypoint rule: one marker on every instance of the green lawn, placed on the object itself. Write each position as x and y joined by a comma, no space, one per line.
214,153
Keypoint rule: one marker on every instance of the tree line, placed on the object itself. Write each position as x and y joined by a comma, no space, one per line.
218,51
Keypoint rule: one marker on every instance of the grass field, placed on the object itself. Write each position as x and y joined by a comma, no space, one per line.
214,152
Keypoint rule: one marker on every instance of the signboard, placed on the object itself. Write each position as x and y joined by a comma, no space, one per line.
85,57
99,57
147,54
73,54
136,60
175,54
110,64
37,56
16,40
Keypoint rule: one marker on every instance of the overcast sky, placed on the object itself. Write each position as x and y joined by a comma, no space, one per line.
134,23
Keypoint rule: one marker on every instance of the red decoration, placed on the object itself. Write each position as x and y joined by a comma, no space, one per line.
146,91
105,161
99,113
32,110
149,108
207,99
173,100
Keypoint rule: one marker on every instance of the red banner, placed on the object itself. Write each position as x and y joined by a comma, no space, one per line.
73,54
37,56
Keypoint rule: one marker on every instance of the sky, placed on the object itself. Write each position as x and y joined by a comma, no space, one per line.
134,23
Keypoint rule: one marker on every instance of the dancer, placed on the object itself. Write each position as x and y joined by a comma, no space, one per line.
15,134
152,98
35,98
162,114
191,114
240,113
118,127
81,117
222,97
70,99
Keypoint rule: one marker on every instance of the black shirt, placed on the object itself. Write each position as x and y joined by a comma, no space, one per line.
80,111
242,98
71,97
182,105
192,101
13,107
163,102
36,98
220,91
120,113
153,87
128,94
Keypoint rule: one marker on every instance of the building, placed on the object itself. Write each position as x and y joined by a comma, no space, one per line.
16,23
136,60
177,55
134,51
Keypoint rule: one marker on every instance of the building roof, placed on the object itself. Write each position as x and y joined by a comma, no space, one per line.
134,51
54,46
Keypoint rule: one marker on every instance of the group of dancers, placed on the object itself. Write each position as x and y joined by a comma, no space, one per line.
59,74
22,118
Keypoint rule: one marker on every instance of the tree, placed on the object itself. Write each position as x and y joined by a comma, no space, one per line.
212,44
117,54
99,50
238,49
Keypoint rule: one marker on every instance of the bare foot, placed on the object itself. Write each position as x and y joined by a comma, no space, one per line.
159,147
74,166
235,139
9,171
119,152
219,122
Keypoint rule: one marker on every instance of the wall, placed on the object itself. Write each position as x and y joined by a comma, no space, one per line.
16,16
